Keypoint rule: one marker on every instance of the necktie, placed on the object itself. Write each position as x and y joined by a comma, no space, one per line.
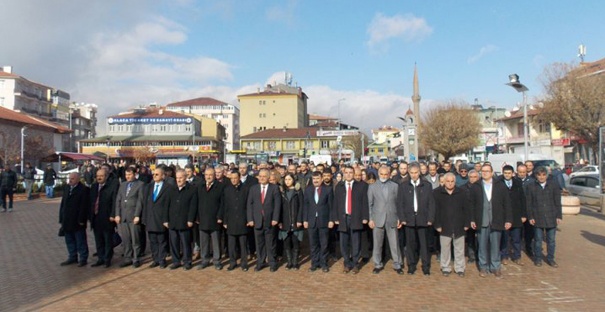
349,198
208,185
156,191
128,188
509,183
415,183
262,194
317,191
97,201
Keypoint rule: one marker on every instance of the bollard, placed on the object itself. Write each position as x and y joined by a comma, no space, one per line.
571,205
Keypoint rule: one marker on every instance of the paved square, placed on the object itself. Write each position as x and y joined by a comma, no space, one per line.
31,279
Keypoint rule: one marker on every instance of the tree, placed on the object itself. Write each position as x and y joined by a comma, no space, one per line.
574,100
449,129
353,142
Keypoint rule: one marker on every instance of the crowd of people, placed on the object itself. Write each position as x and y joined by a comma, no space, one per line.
233,214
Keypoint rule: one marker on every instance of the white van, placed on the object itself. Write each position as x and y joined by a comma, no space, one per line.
500,160
321,159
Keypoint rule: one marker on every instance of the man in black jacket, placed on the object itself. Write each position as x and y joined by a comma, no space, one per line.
513,235
210,219
49,181
102,204
155,216
417,213
181,217
452,211
8,185
235,196
73,215
492,215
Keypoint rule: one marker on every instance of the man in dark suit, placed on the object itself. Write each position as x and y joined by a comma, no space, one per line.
194,180
545,213
102,210
246,179
318,220
73,215
128,212
263,212
235,199
155,216
181,217
416,210
210,219
492,215
513,235
352,211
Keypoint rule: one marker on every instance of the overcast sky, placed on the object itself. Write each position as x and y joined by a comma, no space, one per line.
120,54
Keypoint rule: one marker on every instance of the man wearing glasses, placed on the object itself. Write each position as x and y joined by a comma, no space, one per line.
462,176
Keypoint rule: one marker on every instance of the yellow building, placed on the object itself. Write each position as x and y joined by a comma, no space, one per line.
274,108
292,145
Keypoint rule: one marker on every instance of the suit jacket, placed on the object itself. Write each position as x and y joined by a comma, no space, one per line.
209,208
517,201
75,204
323,209
128,206
502,211
292,211
155,213
425,201
235,201
359,205
383,207
195,181
263,213
250,180
400,180
544,204
183,207
452,211
107,201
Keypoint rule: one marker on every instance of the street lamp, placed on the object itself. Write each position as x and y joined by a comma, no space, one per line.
339,121
22,145
517,85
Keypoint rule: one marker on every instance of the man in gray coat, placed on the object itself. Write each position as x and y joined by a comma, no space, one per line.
128,211
382,199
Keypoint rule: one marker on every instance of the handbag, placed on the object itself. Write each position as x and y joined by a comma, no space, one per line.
61,232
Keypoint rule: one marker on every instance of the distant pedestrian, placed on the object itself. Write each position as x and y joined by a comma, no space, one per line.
49,181
8,185
29,174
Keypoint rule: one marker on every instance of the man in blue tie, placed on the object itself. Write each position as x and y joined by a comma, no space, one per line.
155,216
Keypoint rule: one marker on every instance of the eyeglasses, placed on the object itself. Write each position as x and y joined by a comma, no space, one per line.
462,171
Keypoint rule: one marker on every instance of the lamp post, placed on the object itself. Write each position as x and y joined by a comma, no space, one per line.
517,85
22,145
339,121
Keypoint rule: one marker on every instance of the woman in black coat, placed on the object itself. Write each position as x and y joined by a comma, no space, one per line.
290,225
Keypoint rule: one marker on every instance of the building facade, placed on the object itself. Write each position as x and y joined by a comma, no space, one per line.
156,135
276,107
226,114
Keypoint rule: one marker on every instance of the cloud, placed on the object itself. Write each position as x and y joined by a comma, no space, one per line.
406,27
283,13
485,50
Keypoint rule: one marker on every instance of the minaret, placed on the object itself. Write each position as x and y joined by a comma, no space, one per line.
416,97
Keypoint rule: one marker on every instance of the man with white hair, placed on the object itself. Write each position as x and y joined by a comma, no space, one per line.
73,214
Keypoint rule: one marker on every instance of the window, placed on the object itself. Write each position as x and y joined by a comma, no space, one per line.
520,130
271,145
325,144
592,182
290,145
578,181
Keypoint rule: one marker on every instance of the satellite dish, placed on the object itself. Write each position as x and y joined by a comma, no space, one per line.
507,114
516,108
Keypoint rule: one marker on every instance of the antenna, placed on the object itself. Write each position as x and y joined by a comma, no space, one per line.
581,52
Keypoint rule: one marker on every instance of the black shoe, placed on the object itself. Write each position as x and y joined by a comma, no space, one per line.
273,269
245,268
218,267
187,266
81,264
411,272
175,266
538,263
460,274
68,262
107,264
552,264
125,264
471,260
446,274
325,269
376,270
399,271
97,264
136,264
231,267
426,273
153,265
203,265
163,265
313,269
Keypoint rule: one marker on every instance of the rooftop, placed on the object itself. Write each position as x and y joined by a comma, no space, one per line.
19,117
201,101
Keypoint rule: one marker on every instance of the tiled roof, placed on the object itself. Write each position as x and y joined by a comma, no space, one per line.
289,133
519,114
11,115
5,74
202,101
319,117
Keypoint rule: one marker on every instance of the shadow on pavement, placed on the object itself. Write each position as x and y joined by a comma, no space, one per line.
595,238
592,213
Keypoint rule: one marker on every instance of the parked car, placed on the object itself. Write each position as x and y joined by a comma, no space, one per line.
587,188
585,170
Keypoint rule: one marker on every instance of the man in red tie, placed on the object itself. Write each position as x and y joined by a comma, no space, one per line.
103,195
263,209
351,206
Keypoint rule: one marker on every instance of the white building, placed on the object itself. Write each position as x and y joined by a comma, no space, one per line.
225,114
